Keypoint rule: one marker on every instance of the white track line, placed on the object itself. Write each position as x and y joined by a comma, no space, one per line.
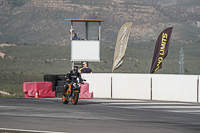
157,107
33,131
126,103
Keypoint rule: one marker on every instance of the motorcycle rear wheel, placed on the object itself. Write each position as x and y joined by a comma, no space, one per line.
75,99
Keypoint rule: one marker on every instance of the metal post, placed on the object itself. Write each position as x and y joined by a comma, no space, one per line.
111,87
71,43
72,64
99,31
86,30
99,37
181,62
198,90
151,90
71,28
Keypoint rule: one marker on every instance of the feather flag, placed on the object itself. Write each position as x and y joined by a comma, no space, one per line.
121,45
161,49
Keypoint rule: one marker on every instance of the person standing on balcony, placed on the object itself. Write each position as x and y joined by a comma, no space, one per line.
85,69
74,35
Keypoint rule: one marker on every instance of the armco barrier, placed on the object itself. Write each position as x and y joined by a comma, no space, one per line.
174,87
131,86
100,84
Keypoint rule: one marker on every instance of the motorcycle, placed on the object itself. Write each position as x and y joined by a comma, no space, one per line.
71,94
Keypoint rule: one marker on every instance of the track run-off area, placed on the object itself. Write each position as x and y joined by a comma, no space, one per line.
50,115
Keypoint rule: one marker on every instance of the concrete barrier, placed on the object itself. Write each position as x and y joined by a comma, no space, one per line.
99,84
183,88
174,87
131,86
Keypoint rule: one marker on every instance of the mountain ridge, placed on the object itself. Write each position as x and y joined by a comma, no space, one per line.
43,22
34,37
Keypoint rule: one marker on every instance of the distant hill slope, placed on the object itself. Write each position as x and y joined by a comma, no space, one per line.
43,21
25,23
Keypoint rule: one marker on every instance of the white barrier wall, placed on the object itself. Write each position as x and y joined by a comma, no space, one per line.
131,86
99,84
183,88
174,87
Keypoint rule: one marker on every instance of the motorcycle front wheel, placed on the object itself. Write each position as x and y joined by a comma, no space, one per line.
75,99
64,99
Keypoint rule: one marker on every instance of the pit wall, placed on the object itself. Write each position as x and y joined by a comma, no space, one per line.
163,87
99,84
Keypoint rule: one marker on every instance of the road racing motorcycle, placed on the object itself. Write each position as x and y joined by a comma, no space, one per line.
71,93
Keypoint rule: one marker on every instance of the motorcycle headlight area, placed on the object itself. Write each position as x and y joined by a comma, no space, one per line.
76,85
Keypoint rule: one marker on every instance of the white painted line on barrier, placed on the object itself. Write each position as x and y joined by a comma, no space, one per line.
33,131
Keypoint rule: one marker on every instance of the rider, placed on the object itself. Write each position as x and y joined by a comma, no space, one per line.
73,74
72,77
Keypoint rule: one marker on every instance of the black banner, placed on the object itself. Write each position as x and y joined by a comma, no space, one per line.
161,49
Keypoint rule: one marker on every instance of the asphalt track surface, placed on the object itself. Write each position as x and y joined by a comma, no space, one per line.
49,115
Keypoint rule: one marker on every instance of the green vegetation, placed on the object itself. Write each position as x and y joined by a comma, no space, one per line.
18,2
39,29
28,63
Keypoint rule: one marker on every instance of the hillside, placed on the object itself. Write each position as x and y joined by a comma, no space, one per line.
34,36
28,63
42,21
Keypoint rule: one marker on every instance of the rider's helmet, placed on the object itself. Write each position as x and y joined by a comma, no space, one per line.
75,69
